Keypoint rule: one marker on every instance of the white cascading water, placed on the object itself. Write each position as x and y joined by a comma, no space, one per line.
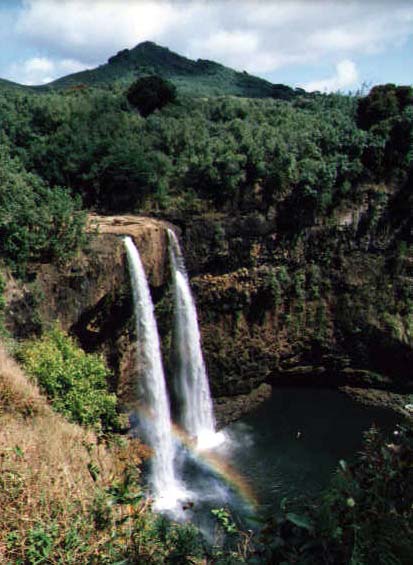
197,415
156,421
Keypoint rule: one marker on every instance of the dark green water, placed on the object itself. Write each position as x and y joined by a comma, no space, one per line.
289,446
293,442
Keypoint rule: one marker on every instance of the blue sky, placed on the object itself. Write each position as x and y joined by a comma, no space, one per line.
316,44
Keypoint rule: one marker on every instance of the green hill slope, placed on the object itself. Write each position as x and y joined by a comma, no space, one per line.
199,78
195,78
9,85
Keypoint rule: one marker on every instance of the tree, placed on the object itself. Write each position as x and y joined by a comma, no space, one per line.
150,93
383,101
37,222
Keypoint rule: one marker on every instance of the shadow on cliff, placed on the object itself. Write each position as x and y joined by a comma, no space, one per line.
377,351
100,328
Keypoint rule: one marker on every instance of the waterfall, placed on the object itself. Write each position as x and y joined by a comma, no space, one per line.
156,421
197,416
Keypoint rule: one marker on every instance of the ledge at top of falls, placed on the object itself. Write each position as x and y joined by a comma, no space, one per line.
70,291
125,224
149,235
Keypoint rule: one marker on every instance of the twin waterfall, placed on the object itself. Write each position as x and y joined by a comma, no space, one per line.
156,422
191,380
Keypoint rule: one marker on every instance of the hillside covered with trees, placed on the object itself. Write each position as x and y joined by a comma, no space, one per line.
199,78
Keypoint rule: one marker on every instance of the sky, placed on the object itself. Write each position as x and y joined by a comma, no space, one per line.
325,45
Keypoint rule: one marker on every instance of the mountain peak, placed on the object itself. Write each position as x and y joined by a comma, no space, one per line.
144,47
148,45
195,78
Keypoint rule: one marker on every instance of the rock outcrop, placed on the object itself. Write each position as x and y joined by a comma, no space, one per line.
149,235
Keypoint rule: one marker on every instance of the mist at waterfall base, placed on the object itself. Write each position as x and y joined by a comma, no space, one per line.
289,446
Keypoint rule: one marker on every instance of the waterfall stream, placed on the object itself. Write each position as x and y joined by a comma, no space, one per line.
156,420
197,416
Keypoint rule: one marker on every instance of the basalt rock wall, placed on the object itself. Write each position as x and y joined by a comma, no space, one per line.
323,309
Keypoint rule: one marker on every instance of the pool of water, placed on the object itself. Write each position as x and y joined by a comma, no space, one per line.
290,445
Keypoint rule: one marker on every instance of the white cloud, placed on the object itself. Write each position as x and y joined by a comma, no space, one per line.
92,30
301,31
231,42
237,45
346,76
260,36
41,70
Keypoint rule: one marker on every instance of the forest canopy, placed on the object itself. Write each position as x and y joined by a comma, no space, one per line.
302,157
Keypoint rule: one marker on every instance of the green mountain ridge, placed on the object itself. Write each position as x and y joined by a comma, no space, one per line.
10,85
197,78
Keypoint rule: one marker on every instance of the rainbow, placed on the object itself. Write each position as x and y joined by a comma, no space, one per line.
213,462
219,466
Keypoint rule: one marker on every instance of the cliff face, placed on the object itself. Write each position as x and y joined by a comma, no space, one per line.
91,297
328,308
331,306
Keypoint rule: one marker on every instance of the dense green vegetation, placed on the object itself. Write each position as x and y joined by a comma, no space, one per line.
74,381
37,222
306,157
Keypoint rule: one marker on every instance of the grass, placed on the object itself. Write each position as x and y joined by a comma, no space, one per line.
17,394
51,475
69,497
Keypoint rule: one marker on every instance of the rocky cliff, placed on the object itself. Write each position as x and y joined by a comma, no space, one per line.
329,306
322,309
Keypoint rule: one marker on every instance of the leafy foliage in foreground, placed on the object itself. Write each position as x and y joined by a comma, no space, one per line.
364,518
74,381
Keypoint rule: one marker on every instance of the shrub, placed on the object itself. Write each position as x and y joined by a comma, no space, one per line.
383,101
363,518
74,381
